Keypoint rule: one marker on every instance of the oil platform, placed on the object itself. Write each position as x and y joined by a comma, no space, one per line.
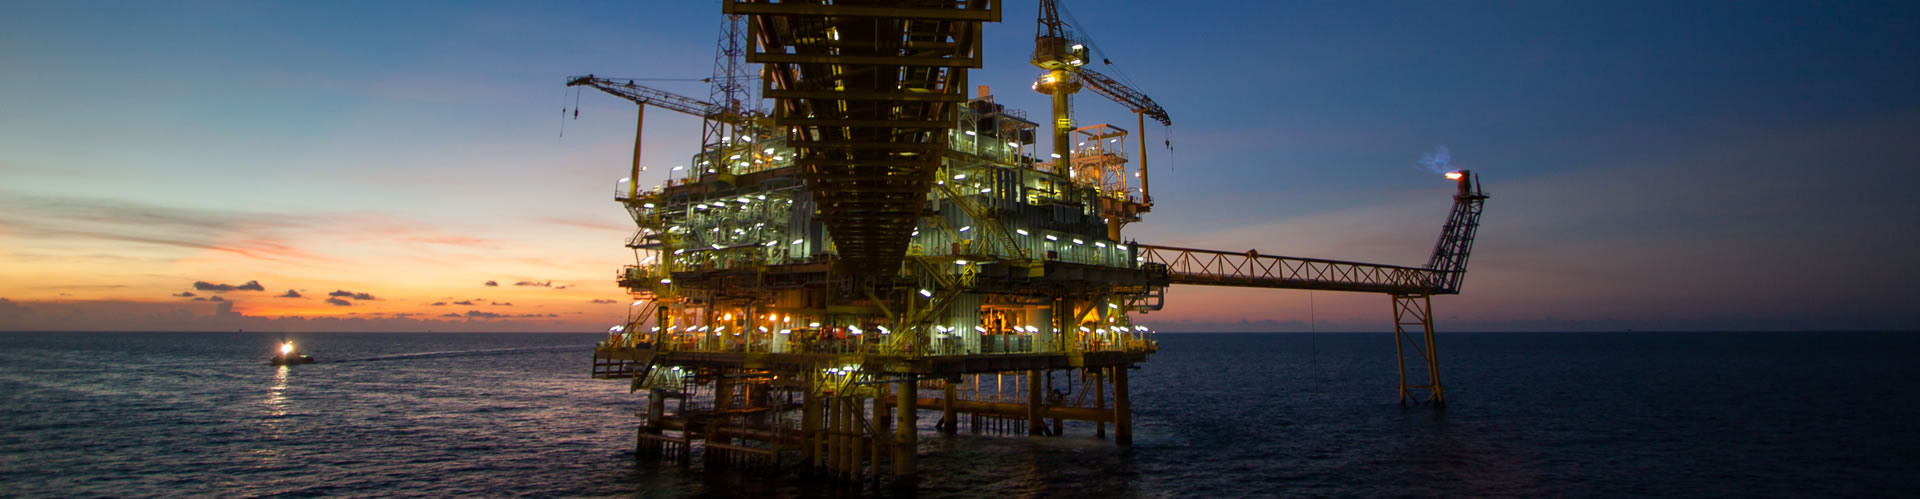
885,243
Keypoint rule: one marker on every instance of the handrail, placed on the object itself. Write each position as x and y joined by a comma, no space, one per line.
1251,269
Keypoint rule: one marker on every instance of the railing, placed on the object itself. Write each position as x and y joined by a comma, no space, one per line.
802,341
1251,269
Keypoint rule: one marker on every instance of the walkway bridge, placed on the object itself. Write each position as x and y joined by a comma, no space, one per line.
1412,288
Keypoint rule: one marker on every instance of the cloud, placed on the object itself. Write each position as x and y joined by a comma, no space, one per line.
291,294
199,298
339,302
456,316
341,293
184,294
587,224
543,284
216,298
10,309
493,283
208,286
604,301
183,315
500,303
463,302
439,304
483,315
250,234
562,286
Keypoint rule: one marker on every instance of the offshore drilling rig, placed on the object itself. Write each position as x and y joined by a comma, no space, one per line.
881,243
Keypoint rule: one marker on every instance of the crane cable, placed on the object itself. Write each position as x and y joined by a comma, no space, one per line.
1087,38
563,113
1119,74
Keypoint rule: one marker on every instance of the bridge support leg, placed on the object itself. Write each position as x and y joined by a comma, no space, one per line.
1411,312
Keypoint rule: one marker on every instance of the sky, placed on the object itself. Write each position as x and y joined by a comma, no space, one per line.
414,166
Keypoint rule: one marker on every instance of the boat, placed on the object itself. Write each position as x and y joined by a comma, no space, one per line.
286,357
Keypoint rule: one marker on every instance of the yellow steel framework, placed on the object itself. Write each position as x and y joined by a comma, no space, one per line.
1411,288
866,92
880,234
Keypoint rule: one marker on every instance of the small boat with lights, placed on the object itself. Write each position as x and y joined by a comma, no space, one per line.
286,357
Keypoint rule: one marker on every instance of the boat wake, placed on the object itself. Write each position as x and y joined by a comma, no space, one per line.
462,353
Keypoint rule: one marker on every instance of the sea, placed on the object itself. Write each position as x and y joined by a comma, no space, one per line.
1792,414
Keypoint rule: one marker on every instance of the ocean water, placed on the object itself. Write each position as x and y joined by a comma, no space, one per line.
1216,415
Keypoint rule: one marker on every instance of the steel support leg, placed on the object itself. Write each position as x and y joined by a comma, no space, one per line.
1035,424
946,408
906,445
1122,408
1412,314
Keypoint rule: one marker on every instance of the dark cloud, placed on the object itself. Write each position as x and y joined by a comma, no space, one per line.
500,303
562,286
439,304
341,293
184,294
605,301
463,302
542,284
291,294
10,309
483,315
456,316
493,283
208,286
403,315
199,298
340,302
216,298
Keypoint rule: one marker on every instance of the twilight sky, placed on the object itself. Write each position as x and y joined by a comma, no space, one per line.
373,165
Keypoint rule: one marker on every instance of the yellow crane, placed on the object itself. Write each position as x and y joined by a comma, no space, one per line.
1056,50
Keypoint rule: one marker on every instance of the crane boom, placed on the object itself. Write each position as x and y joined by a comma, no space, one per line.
1126,96
648,96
